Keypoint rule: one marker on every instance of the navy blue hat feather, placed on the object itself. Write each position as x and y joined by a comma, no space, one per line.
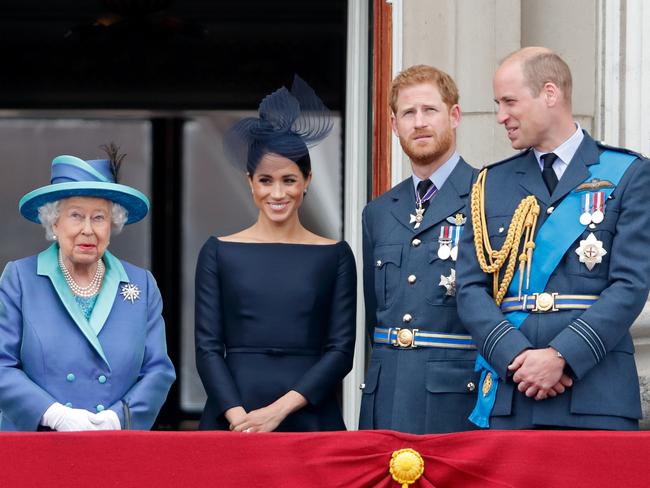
289,123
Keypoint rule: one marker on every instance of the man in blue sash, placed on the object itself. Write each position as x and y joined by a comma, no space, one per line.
554,267
421,376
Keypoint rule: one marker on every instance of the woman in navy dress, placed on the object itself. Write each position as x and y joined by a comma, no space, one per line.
275,303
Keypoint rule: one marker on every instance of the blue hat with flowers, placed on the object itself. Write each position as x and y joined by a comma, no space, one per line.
74,177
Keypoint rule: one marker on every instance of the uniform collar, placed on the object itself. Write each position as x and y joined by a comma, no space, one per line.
441,174
566,150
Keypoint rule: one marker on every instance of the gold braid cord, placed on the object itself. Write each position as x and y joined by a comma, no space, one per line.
520,235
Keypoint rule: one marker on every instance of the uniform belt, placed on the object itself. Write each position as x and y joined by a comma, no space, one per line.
410,338
548,302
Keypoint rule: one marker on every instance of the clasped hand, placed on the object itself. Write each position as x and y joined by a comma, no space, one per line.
65,419
264,419
539,373
268,418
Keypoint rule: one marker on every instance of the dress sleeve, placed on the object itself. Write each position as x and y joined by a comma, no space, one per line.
209,332
21,400
140,405
322,378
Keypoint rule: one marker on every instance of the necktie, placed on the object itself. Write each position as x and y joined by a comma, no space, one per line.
550,178
423,187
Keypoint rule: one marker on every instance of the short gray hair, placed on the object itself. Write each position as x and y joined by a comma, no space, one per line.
49,213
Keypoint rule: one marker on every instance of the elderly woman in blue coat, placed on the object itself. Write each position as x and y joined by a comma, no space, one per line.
82,339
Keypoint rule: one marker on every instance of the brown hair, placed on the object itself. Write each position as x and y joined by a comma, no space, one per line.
421,73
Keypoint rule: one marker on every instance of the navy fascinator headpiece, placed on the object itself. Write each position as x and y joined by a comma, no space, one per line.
289,123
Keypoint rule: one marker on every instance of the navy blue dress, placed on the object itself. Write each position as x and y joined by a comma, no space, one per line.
270,318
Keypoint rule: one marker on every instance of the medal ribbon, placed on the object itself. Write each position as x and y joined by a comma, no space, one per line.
427,196
554,238
458,230
586,203
598,201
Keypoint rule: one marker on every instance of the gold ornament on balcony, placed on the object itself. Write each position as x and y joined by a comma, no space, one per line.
406,466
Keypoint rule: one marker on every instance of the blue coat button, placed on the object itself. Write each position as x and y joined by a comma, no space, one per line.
100,408
71,377
68,404
102,379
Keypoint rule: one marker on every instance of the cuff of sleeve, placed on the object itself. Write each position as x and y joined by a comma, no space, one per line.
505,349
579,349
32,416
311,396
223,407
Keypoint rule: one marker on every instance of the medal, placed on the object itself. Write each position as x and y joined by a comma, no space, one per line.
598,215
454,253
449,282
458,229
585,217
418,217
591,251
419,206
444,250
593,207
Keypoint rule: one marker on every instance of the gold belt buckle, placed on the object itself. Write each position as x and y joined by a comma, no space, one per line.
405,337
545,302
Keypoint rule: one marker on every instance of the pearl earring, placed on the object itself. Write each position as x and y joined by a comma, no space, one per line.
54,236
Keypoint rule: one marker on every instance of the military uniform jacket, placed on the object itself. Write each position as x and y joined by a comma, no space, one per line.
425,389
595,342
50,353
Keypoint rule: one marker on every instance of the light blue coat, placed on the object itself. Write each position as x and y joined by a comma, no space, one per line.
50,353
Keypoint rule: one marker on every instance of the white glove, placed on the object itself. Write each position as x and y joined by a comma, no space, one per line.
106,420
65,419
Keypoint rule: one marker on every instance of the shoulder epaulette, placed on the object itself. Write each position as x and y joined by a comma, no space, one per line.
625,150
514,156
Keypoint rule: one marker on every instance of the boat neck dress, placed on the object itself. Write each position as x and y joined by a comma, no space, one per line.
270,318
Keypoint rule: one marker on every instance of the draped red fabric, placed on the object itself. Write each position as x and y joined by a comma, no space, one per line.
483,459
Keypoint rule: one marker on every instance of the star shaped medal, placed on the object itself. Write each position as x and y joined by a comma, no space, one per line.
419,206
418,217
449,282
130,292
591,251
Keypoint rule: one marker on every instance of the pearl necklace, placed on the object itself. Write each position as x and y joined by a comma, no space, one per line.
84,291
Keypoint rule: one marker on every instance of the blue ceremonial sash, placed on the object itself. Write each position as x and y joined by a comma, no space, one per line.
556,235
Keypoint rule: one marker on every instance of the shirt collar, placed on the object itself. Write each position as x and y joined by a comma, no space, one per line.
566,150
441,174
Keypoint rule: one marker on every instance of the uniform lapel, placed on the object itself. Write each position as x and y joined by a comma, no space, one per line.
531,178
450,197
115,274
48,265
404,203
577,171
